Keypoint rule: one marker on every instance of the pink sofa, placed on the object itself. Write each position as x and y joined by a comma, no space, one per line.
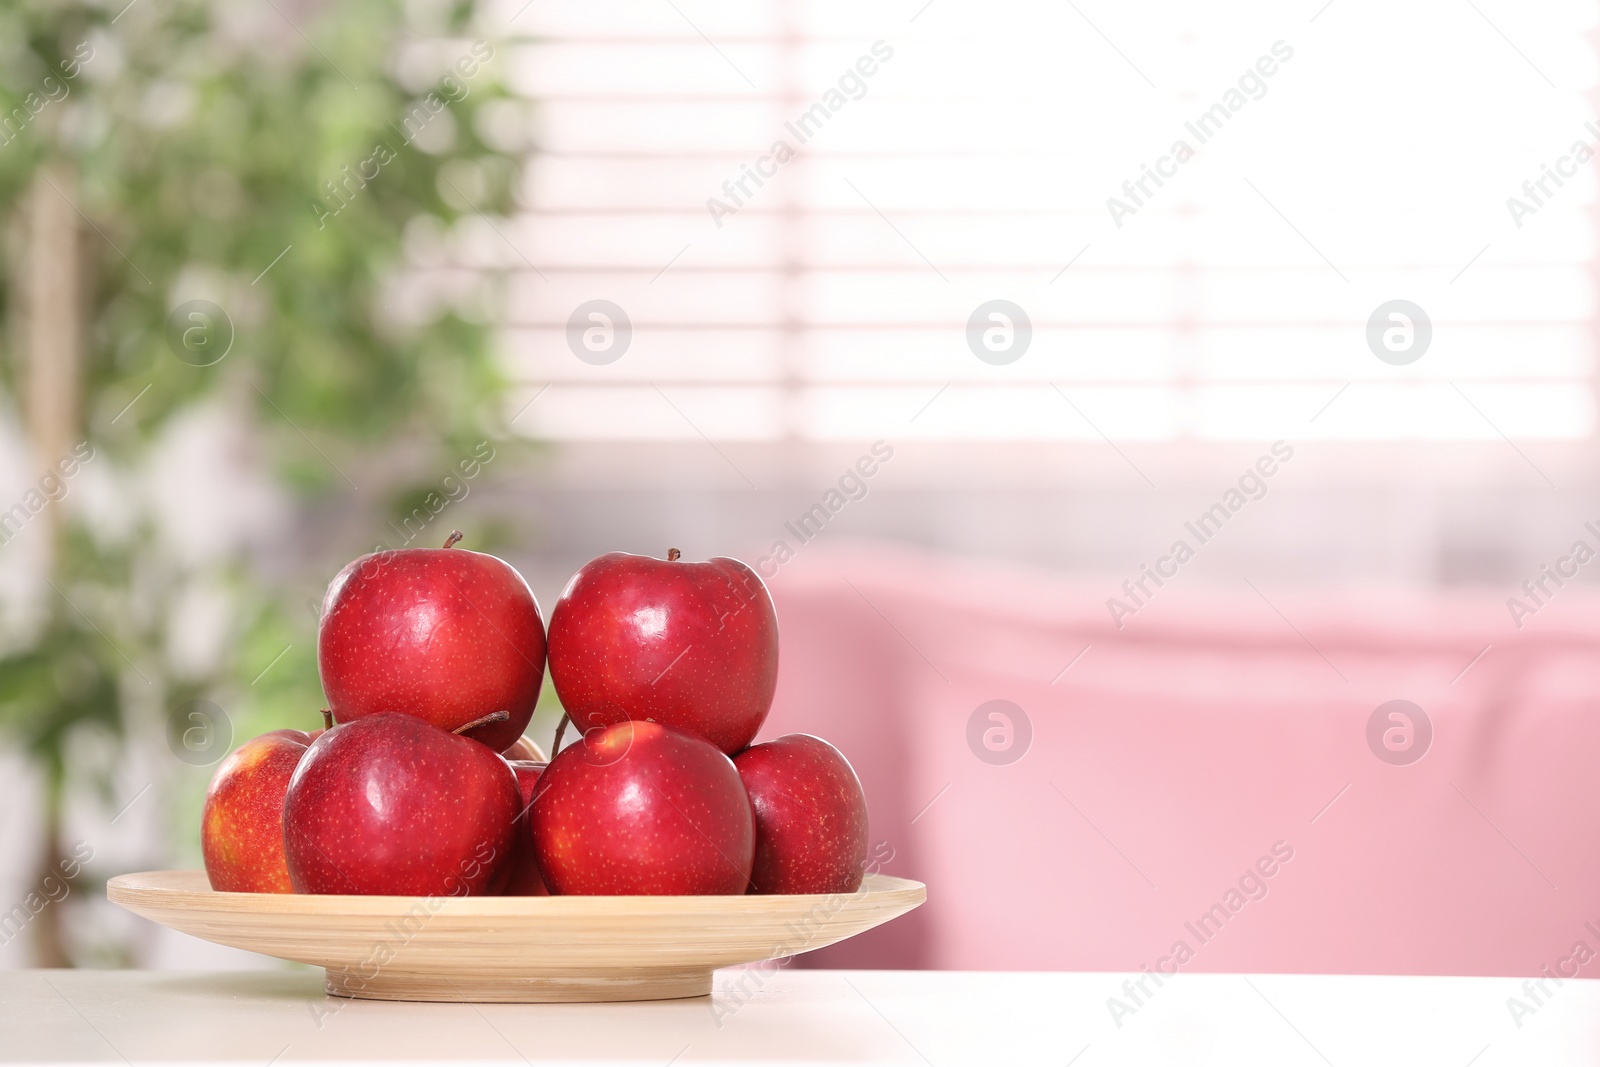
1178,753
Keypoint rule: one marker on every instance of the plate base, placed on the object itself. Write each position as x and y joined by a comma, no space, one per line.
517,989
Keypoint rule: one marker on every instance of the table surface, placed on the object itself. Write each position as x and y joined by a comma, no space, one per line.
796,1017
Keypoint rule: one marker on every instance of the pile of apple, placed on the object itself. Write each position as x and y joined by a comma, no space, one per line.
422,782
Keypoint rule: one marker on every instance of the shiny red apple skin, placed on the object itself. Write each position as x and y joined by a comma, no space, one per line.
392,805
811,816
691,645
241,825
523,877
444,634
642,808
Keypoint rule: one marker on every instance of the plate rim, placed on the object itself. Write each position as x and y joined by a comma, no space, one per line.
132,890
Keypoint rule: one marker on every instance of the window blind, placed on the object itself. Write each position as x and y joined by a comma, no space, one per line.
803,211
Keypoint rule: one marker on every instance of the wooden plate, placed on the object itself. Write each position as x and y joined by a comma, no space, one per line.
518,949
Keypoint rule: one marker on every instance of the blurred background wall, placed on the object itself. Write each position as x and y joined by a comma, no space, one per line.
661,274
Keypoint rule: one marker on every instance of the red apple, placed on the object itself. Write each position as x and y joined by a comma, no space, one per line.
443,634
523,877
811,816
691,645
389,804
241,826
641,808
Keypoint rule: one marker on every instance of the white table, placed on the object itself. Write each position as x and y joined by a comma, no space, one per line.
796,1017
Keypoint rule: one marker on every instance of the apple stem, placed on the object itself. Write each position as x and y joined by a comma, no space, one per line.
673,555
561,728
450,542
493,716
327,718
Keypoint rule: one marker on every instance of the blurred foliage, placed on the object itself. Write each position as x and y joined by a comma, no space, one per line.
277,160
69,668
206,146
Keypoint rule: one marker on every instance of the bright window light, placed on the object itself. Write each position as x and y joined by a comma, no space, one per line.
799,207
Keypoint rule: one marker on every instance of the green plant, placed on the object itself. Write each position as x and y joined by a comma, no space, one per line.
240,191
